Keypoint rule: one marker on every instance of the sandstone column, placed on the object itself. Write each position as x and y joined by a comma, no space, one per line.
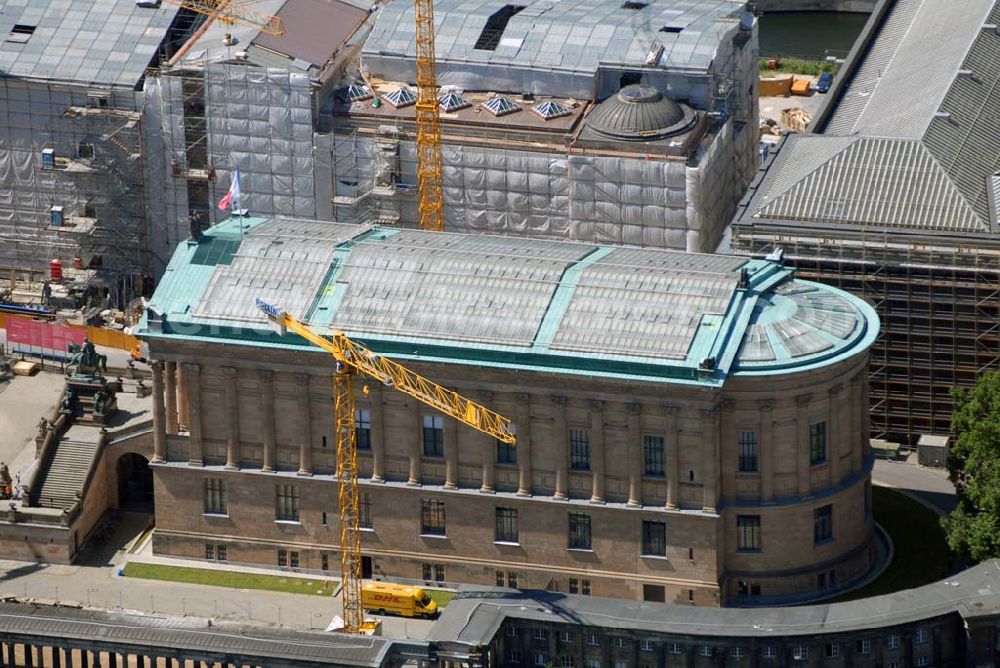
159,423
523,424
802,444
231,399
170,392
561,448
488,452
182,399
672,455
305,423
766,408
268,436
378,432
598,464
834,431
857,437
416,442
635,455
710,457
450,433
192,377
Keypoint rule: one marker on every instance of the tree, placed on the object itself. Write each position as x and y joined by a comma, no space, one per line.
973,528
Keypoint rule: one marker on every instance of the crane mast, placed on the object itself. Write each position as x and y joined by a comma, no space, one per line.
353,359
428,123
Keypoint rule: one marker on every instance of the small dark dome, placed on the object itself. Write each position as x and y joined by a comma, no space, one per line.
639,113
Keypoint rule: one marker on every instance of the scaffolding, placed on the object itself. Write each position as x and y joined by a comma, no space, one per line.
939,304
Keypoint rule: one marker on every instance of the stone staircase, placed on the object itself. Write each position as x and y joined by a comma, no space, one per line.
66,473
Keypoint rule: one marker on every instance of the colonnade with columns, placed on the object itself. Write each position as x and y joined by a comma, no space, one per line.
47,654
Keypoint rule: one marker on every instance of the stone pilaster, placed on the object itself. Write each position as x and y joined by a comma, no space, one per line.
231,400
416,444
378,432
159,418
170,396
634,457
523,422
488,452
765,408
182,400
305,423
192,380
268,435
561,448
802,445
450,433
710,458
834,431
598,461
672,455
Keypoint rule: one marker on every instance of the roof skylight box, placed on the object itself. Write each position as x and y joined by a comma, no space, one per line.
401,97
452,101
550,110
500,106
20,33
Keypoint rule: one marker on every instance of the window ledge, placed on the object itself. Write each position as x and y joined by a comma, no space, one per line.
226,515
747,474
825,541
580,549
507,542
367,529
441,536
747,550
655,556
816,465
292,522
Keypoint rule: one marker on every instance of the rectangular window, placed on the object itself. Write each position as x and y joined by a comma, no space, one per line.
365,511
511,630
652,451
363,429
512,579
565,636
618,641
507,453
514,656
294,559
823,524
574,586
821,581
215,497
593,662
646,645
209,551
585,587
506,525
737,652
540,634
579,449
324,561
566,662
832,650
920,637
769,652
282,558
893,641
674,648
864,647
748,533
432,517
593,640
288,503
654,538
817,443
439,573
539,659
579,531
921,662
427,572
707,650
500,580
748,451
800,653
220,552
433,436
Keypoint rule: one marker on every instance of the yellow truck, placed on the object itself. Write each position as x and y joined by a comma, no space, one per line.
385,597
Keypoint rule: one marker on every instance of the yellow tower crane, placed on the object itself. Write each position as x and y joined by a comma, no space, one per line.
233,12
354,359
429,185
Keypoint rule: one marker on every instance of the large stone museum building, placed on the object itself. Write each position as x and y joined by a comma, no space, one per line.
690,428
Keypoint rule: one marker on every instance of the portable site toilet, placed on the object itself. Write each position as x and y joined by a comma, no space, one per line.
932,450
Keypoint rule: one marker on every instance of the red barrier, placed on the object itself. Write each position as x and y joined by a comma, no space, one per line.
44,335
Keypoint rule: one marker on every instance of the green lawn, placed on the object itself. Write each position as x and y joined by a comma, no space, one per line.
232,579
921,551
440,596
794,66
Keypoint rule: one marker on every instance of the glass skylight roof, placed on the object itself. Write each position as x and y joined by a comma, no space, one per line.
452,101
356,93
500,106
550,110
401,97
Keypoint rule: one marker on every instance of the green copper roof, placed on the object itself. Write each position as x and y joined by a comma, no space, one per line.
506,302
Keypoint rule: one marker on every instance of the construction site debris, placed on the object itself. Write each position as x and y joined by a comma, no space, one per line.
796,119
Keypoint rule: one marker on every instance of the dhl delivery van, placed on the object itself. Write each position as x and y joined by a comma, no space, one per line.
383,597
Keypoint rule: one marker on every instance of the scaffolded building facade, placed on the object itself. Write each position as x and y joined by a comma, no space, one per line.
895,197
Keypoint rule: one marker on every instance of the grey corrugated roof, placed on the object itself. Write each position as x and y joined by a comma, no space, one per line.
909,69
881,182
105,42
257,645
575,35
473,619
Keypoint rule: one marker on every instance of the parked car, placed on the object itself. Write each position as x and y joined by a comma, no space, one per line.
823,85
